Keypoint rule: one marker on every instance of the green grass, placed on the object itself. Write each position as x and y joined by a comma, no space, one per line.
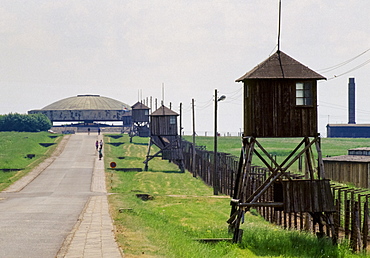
183,209
14,148
281,147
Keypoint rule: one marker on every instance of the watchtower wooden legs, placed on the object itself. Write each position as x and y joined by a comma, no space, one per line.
147,155
169,150
297,195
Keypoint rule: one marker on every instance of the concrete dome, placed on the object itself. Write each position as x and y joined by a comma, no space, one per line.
87,108
87,102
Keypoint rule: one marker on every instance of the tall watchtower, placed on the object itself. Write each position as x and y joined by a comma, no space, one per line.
280,98
164,134
280,101
139,120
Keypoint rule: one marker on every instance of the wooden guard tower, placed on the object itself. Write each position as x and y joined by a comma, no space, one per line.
280,100
140,121
163,134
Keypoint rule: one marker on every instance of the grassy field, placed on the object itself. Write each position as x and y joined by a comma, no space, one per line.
13,154
281,147
183,210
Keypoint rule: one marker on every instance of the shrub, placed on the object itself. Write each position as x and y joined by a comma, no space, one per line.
24,123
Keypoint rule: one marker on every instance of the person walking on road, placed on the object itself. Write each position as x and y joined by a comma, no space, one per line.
98,131
101,144
100,153
97,144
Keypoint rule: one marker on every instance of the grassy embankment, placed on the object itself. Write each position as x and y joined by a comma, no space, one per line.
183,209
15,146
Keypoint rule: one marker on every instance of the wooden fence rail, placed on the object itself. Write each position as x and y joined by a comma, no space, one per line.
351,219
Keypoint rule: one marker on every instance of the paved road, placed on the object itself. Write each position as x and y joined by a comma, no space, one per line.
35,221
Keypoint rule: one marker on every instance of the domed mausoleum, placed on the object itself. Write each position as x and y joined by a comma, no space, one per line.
85,108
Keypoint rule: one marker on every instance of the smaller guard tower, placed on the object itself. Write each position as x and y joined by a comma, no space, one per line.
280,101
139,121
164,134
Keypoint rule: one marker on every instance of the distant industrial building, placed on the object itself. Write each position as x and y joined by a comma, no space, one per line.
350,130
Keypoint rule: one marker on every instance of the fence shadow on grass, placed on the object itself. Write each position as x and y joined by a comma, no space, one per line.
140,143
165,171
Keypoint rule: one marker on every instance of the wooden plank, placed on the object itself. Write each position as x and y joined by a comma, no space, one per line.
321,172
287,197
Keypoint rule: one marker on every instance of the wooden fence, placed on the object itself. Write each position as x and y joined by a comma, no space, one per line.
203,167
351,219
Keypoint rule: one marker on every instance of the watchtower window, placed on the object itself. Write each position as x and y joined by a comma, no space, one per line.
172,120
146,112
303,93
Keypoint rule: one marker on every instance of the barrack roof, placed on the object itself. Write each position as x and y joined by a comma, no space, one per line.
348,158
348,125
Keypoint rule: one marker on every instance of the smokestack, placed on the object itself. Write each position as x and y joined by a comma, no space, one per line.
351,101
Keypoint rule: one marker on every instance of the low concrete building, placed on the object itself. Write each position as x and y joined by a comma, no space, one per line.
85,108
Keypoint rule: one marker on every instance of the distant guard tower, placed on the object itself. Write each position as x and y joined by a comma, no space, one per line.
280,101
139,120
163,134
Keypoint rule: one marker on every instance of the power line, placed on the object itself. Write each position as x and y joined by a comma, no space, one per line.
351,70
331,105
205,102
331,68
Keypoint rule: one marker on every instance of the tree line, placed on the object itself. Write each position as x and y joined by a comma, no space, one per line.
24,123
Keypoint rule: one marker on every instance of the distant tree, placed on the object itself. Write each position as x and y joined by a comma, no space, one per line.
24,123
43,122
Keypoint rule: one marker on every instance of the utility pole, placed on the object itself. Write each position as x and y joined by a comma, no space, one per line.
193,159
215,168
216,187
180,121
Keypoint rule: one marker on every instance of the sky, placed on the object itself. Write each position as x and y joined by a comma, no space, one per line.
178,51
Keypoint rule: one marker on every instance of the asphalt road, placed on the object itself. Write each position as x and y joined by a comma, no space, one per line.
35,221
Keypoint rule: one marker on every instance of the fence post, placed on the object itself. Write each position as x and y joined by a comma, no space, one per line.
365,231
347,215
356,242
337,220
359,210
301,217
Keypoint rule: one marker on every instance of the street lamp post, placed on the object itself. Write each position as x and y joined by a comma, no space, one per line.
215,167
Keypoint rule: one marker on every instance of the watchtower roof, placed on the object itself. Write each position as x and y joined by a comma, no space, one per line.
164,111
139,105
281,66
